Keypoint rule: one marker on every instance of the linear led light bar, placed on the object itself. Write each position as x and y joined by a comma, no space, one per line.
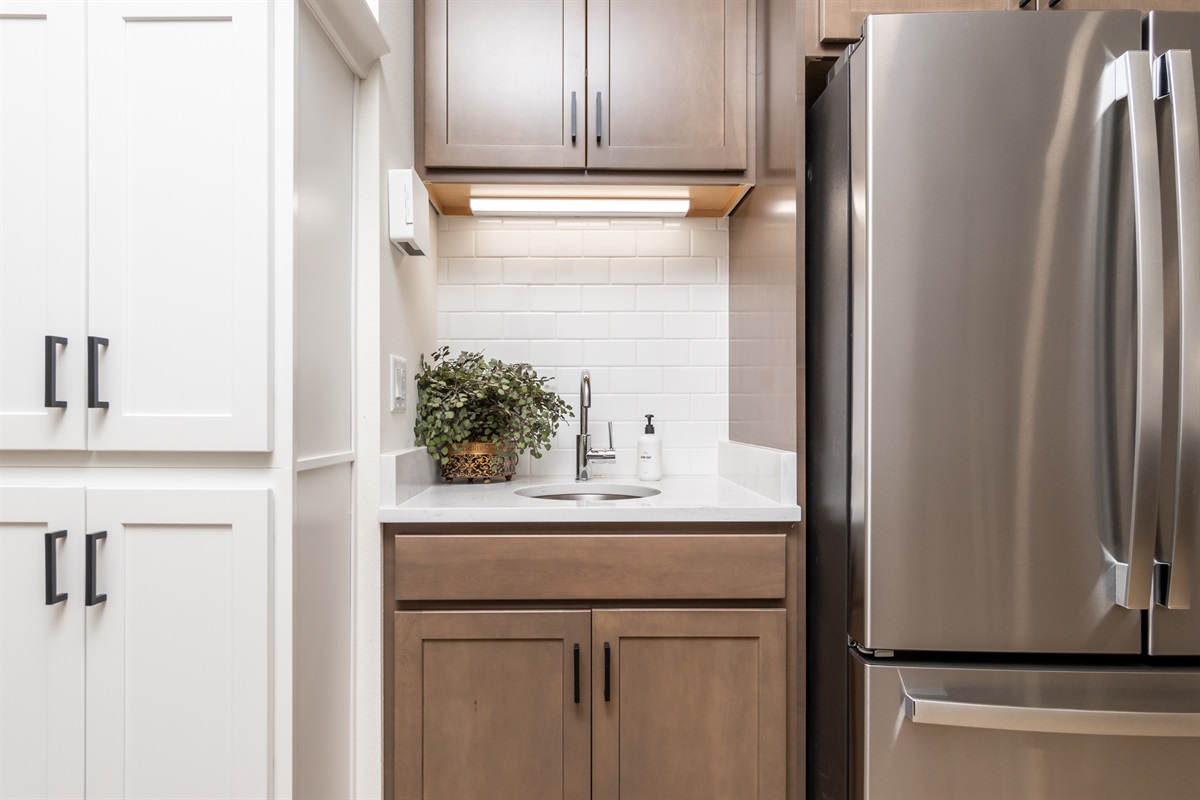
578,207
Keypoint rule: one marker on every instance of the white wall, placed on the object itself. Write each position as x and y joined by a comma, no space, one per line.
642,304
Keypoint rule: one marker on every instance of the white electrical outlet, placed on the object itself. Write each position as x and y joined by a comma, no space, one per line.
399,371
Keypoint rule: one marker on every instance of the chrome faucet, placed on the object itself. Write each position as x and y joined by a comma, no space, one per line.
584,454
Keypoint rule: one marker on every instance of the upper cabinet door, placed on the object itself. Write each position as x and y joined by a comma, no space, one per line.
1120,5
667,84
178,224
504,83
42,251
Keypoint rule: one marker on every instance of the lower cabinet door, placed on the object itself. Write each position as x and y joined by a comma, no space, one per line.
178,643
492,705
41,643
689,703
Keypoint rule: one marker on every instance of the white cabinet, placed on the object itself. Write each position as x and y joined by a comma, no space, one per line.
42,643
167,618
176,266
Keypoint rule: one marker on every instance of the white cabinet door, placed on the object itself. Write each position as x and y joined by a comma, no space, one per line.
178,113
42,250
41,643
178,666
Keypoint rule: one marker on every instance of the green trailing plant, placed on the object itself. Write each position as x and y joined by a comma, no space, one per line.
468,398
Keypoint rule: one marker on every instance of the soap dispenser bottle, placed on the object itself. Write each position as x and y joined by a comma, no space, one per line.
649,453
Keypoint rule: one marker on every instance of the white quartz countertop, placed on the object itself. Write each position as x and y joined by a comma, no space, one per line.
683,499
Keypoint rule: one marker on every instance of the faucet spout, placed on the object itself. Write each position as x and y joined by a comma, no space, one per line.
584,454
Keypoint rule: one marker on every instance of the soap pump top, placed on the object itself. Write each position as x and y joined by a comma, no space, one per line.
649,423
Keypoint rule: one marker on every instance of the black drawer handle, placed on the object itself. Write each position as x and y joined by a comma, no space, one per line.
576,673
94,400
90,564
607,672
599,119
52,343
52,594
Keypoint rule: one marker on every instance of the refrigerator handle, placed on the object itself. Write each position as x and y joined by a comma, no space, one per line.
1097,722
1129,79
1179,506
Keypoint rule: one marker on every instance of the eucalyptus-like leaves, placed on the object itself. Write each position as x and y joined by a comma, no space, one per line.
468,398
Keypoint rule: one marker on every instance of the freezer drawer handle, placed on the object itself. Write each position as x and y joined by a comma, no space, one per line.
1129,79
943,711
1179,504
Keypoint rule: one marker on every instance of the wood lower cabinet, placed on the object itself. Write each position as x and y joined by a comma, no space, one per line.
604,704
487,706
693,704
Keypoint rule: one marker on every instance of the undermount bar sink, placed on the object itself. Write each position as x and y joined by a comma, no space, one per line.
587,491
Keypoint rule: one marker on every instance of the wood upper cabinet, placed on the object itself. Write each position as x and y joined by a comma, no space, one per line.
667,84
1144,6
841,20
504,83
575,84
693,704
492,704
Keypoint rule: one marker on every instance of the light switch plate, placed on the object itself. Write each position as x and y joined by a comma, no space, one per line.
399,381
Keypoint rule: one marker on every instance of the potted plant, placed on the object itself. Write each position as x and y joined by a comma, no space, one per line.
475,415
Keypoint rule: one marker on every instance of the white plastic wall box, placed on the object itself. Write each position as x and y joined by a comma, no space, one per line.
408,212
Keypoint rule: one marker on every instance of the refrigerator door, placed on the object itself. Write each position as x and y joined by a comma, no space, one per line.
1005,403
1174,41
947,733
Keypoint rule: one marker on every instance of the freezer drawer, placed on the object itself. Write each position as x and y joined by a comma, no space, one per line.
954,732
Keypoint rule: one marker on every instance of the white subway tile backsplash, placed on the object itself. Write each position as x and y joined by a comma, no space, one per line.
636,326
690,270
662,353
609,298
663,298
637,380
498,298
504,243
529,325
582,326
690,325
555,298
636,270
529,270
556,353
475,326
641,303
664,243
610,243
557,243
473,270
456,298
582,270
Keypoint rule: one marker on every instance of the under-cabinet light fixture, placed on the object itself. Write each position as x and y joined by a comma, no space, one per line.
578,207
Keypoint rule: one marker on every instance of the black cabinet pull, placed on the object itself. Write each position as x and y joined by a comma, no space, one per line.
94,400
1024,3
1053,3
90,564
573,126
52,594
52,343
577,673
607,672
599,119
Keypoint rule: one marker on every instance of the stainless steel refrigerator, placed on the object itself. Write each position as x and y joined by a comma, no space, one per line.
1003,409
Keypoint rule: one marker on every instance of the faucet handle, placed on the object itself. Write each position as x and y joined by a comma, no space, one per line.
610,439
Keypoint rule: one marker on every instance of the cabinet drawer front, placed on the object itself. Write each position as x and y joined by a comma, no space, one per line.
630,567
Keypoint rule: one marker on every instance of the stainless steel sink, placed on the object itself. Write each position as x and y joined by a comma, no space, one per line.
587,491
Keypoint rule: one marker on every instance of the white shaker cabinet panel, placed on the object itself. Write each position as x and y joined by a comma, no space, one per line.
178,112
41,643
42,246
178,649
